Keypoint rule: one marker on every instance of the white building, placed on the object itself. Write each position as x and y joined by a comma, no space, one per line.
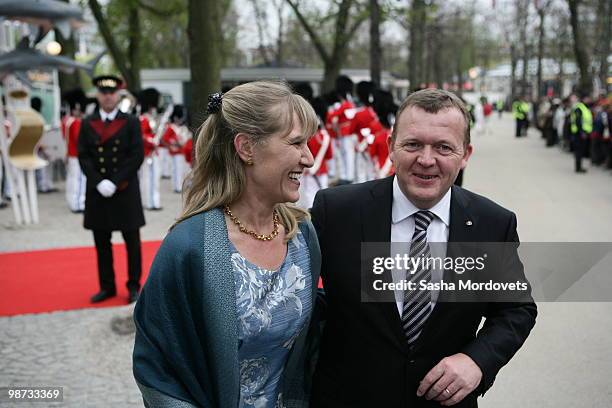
177,82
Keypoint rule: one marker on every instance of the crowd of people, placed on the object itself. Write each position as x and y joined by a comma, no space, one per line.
351,142
166,140
578,124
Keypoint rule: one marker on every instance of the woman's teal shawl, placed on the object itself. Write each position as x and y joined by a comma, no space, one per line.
186,347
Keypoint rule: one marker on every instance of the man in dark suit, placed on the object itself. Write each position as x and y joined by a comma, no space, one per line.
416,350
110,154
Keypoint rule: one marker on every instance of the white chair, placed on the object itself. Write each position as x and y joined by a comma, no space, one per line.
28,130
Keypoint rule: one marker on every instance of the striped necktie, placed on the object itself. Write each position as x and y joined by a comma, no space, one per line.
417,302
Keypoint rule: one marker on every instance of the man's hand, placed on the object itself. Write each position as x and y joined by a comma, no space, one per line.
106,187
451,380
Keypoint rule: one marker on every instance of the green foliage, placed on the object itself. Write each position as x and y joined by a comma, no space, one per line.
164,41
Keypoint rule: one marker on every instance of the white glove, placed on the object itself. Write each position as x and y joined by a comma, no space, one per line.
107,188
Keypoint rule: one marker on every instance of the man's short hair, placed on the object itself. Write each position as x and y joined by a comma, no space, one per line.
433,101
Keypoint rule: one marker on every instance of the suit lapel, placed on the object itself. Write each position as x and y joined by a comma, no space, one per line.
462,221
376,227
376,212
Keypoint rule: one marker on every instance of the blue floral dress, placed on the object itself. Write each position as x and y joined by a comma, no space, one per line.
272,310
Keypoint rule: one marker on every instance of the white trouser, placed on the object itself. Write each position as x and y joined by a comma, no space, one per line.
1,179
149,181
331,167
333,164
44,180
179,166
364,168
75,185
485,125
347,157
309,185
165,162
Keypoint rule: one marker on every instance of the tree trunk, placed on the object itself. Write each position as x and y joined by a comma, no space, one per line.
459,78
560,73
604,9
281,30
430,50
541,14
580,51
331,71
415,58
260,21
118,56
375,49
513,63
204,32
67,81
523,14
134,49
437,54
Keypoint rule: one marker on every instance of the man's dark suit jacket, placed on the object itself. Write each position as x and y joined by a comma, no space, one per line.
364,360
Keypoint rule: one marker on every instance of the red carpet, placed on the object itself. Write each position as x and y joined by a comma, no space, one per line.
61,279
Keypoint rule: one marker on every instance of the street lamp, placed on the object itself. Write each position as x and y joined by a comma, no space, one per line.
54,48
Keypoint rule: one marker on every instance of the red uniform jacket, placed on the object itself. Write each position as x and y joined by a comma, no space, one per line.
363,118
336,119
379,150
148,138
71,129
188,151
171,141
314,144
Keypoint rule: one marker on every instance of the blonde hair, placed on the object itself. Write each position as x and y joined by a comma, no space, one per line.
258,109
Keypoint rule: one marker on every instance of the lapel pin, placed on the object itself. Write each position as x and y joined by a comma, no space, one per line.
468,223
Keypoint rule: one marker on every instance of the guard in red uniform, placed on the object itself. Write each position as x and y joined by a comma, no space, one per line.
150,171
175,137
385,108
71,126
340,122
316,177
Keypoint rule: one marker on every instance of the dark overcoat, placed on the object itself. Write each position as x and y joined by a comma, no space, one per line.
112,150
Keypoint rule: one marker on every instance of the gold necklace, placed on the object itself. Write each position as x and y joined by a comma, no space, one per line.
261,237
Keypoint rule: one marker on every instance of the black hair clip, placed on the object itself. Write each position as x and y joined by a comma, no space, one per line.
214,102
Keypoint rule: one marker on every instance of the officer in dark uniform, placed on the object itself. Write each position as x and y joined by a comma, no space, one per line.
110,154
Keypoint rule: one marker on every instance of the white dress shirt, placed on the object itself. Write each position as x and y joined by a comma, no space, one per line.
108,115
402,229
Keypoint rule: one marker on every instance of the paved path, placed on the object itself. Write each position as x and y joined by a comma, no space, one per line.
566,362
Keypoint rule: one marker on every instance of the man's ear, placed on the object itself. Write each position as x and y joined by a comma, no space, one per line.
466,155
244,147
390,146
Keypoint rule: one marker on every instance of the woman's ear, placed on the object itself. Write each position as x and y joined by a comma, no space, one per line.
244,147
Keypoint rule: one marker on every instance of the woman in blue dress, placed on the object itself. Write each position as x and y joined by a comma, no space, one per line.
225,317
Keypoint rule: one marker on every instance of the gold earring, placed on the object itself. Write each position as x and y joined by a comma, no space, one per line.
249,161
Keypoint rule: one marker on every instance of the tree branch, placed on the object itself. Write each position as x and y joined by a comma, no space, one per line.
340,29
260,19
358,20
113,47
313,35
158,12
